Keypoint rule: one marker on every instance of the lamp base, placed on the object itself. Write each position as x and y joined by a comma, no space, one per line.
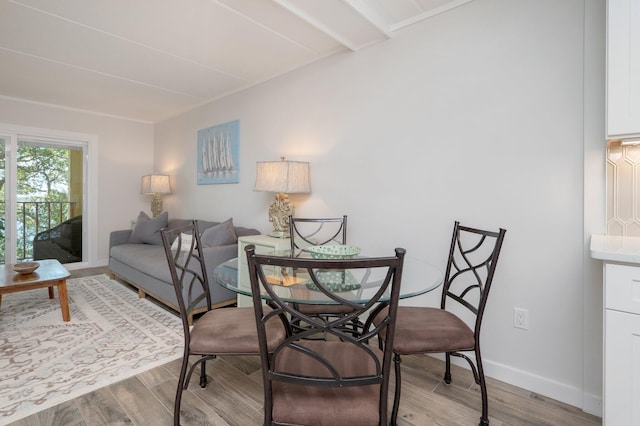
279,211
156,205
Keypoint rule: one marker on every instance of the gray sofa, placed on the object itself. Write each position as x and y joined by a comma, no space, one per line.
144,264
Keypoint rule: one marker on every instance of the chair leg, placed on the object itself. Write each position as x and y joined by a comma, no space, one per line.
396,396
447,371
203,374
484,419
181,386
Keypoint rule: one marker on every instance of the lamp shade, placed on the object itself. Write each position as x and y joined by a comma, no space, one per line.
288,177
155,184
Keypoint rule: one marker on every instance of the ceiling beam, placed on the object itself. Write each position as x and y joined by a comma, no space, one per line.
362,17
363,9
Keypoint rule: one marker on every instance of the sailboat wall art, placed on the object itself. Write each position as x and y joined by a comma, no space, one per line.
219,154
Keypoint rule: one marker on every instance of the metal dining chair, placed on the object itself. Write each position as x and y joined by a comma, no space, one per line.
471,264
306,232
222,331
339,378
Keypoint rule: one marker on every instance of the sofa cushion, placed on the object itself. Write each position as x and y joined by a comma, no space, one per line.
219,235
147,230
146,258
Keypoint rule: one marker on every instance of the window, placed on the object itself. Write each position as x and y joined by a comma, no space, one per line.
43,196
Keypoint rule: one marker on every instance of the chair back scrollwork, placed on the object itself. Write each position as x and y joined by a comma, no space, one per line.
471,265
305,232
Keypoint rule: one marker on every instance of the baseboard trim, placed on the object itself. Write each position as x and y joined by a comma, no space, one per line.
592,404
562,392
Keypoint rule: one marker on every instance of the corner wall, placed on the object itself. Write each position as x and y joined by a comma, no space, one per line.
474,115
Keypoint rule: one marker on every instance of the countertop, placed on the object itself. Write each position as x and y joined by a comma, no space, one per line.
615,248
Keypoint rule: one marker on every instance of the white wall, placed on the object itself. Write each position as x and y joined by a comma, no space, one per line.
125,153
475,115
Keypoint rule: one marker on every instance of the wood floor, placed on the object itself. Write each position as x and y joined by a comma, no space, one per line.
234,397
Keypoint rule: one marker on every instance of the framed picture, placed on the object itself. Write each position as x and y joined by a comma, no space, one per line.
219,154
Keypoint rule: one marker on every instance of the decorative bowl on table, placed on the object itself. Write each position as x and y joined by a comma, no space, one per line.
25,267
335,281
341,251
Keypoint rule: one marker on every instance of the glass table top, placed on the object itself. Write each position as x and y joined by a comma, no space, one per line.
357,285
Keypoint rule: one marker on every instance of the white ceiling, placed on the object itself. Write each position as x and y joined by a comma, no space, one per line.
152,59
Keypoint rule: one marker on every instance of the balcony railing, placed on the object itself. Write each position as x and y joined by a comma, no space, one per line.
37,216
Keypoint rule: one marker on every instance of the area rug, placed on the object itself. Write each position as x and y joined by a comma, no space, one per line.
112,335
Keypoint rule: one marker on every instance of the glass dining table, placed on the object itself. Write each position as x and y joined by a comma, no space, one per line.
355,285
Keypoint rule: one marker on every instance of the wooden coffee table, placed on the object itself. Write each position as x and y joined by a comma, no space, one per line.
50,273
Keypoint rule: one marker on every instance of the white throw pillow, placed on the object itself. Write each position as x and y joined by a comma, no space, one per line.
186,242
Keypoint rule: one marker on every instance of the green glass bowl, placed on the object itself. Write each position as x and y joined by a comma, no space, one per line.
335,281
341,251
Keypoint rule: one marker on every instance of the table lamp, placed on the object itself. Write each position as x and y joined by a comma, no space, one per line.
282,177
156,185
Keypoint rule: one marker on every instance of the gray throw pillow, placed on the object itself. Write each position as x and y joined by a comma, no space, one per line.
147,230
219,235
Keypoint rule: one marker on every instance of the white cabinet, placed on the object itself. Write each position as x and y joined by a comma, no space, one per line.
621,345
622,369
623,68
264,245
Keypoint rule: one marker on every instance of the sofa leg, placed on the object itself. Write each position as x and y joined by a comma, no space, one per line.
141,293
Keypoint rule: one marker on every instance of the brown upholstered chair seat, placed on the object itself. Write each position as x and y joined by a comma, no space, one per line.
318,309
354,405
227,331
447,332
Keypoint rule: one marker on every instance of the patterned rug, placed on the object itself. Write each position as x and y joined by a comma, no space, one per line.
112,335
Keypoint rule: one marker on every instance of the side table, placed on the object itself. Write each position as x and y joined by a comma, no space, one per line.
264,245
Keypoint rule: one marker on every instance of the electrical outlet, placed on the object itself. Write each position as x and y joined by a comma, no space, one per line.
521,318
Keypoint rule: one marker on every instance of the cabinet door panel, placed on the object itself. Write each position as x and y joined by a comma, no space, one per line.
622,288
622,369
623,67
